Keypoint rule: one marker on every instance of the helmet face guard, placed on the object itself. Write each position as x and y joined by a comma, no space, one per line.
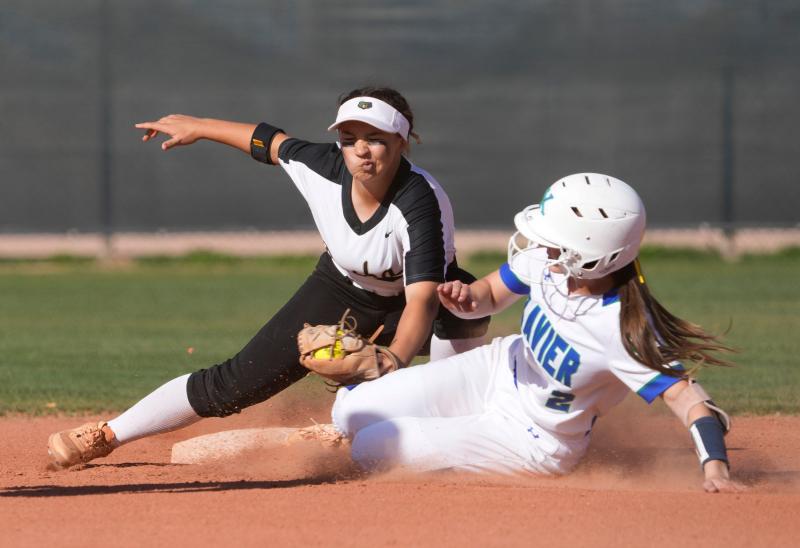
528,244
596,221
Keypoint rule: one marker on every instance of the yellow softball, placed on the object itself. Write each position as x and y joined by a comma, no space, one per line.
325,352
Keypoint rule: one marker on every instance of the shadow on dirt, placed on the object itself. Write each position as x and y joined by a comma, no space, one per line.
784,480
181,487
52,467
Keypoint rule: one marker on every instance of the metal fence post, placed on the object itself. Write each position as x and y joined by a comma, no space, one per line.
727,205
104,130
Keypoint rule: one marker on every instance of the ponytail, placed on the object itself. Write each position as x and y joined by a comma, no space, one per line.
653,335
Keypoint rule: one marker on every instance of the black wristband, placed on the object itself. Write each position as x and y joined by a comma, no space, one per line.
261,141
709,440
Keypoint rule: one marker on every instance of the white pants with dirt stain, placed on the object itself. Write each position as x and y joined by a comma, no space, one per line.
458,413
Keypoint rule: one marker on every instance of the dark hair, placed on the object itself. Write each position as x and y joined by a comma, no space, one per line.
654,336
387,95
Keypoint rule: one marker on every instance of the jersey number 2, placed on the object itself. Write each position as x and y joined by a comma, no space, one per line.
560,401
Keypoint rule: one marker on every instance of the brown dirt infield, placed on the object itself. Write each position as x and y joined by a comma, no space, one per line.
639,486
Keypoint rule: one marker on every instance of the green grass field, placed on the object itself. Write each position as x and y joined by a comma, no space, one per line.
77,336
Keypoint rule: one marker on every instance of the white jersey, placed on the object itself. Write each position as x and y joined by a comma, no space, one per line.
523,403
573,366
408,239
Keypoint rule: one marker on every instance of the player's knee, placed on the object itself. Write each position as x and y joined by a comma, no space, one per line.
376,447
354,410
217,392
339,411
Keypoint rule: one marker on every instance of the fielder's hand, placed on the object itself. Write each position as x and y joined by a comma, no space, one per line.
456,296
183,130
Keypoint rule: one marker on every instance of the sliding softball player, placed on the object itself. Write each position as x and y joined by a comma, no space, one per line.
590,333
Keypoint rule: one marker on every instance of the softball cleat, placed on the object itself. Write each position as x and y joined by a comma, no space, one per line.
327,434
79,445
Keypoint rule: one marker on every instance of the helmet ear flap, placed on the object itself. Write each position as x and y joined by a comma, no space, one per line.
570,260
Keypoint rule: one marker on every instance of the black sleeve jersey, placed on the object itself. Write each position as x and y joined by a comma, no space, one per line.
408,239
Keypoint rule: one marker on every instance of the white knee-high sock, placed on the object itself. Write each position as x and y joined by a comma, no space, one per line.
166,408
444,348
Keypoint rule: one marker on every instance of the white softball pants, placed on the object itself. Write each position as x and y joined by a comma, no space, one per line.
449,414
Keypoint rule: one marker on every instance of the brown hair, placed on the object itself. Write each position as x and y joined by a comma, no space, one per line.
387,95
654,336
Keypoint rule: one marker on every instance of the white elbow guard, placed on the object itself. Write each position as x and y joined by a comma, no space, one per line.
691,396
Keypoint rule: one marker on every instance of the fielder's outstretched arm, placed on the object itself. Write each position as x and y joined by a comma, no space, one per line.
185,130
707,432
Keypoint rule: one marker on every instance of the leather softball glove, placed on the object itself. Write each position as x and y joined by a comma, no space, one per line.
339,353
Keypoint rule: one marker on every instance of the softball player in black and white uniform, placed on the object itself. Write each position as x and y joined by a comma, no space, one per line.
591,332
388,229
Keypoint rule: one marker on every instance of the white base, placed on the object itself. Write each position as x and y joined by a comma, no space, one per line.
228,444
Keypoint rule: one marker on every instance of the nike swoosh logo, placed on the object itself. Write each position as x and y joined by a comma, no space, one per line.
387,234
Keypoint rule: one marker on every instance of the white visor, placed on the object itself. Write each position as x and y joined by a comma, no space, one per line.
374,112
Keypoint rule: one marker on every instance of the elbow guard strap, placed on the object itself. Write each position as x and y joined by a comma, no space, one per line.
261,142
691,396
709,440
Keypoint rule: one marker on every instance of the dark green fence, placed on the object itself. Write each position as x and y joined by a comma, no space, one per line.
694,102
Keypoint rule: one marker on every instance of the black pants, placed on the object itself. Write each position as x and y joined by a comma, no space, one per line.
269,362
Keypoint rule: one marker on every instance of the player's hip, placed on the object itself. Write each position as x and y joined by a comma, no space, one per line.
547,451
